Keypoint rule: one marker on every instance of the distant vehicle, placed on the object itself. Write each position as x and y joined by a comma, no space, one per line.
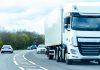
28,48
41,49
32,47
6,48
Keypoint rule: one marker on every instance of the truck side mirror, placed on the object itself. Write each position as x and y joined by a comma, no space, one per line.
66,26
67,20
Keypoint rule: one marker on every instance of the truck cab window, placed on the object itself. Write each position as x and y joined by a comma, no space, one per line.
86,23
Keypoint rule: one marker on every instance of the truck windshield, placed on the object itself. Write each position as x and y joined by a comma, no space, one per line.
86,23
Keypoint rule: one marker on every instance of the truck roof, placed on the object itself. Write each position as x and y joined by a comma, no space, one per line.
85,8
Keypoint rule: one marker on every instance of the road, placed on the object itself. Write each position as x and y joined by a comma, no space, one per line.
17,61
42,60
6,62
30,60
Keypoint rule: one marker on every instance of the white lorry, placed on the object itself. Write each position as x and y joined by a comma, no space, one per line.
73,33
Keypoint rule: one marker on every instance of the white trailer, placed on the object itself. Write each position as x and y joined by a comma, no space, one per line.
53,31
73,33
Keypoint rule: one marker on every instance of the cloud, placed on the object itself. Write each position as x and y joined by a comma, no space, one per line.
26,14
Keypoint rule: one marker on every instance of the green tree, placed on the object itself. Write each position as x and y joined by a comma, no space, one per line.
21,39
1,43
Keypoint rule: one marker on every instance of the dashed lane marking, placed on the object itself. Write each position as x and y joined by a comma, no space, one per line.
21,68
43,68
15,60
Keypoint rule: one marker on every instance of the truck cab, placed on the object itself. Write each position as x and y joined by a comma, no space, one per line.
82,31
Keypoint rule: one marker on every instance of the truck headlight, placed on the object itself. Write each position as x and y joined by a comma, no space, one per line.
74,41
73,51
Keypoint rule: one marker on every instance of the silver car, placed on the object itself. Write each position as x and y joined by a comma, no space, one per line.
41,49
6,48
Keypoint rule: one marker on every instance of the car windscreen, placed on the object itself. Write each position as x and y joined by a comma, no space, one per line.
41,47
6,46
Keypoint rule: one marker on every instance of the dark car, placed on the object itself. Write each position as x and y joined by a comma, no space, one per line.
32,47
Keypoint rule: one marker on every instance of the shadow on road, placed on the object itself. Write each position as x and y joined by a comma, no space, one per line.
86,63
7,53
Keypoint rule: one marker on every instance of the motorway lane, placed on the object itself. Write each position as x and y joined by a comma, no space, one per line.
43,61
6,62
25,64
30,60
17,61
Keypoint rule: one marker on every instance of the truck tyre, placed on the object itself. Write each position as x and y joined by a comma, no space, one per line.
2,52
50,57
63,59
69,62
99,62
57,56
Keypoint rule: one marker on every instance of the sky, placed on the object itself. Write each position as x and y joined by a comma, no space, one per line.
27,15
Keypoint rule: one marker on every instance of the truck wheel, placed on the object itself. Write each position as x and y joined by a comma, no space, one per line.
57,56
50,57
2,52
63,59
99,62
68,61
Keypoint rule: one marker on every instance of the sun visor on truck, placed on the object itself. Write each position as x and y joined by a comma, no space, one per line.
93,10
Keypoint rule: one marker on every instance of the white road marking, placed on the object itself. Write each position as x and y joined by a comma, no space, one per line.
34,63
16,63
15,60
21,68
43,68
29,61
14,57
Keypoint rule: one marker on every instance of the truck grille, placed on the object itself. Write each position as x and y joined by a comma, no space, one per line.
89,48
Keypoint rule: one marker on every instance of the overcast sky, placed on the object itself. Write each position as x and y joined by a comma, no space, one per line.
26,14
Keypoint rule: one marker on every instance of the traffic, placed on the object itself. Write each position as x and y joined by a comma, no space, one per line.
50,35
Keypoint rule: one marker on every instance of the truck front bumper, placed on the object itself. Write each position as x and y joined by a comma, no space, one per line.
80,57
